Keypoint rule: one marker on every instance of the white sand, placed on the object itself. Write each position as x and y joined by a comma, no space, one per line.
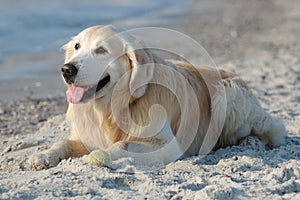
244,171
263,52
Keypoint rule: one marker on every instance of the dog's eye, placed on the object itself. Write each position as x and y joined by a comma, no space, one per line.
77,46
100,50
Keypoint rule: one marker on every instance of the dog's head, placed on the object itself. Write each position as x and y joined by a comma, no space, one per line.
97,58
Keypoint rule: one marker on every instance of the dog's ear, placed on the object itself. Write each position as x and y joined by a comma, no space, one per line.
142,69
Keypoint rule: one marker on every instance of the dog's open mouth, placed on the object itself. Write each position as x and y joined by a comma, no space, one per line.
76,94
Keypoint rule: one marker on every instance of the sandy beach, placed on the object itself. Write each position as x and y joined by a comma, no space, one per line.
259,40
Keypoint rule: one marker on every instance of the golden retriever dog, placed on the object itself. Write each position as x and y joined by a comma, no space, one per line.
128,101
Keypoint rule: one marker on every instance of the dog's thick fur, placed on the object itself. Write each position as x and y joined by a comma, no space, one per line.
199,110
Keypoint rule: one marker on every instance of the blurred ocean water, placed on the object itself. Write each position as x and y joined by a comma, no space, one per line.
32,32
37,26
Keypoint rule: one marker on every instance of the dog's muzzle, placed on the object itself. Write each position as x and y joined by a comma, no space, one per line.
69,72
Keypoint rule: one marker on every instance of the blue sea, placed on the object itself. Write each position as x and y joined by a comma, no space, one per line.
38,26
32,31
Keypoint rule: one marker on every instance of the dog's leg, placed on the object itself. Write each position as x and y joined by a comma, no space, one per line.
59,151
245,116
142,153
269,130
163,148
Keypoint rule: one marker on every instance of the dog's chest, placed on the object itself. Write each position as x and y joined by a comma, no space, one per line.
86,125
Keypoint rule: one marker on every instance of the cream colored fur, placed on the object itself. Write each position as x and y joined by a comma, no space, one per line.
201,108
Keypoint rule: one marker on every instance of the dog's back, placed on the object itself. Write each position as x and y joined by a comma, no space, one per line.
244,115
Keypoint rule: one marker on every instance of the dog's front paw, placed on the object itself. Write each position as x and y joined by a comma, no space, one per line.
43,160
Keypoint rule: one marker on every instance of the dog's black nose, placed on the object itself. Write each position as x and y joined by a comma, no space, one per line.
69,70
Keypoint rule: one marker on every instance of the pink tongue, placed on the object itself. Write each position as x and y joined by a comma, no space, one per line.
75,94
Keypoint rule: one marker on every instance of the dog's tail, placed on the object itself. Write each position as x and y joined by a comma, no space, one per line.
276,133
270,130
